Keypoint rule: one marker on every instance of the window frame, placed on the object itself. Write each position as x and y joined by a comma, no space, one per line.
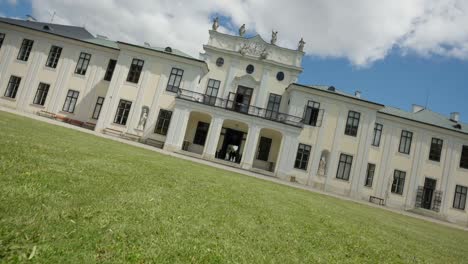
99,103
435,150
408,137
41,94
201,133
175,79
136,68
264,148
312,110
459,197
370,172
345,165
110,70
2,38
352,123
378,130
123,111
82,64
302,156
464,157
54,56
273,106
211,92
25,50
72,99
398,182
163,122
12,87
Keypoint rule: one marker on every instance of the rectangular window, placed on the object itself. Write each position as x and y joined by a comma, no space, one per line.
352,123
83,62
41,94
377,134
201,133
164,119
212,91
264,148
97,107
70,101
436,149
2,37
302,157
12,87
135,71
398,182
311,113
122,112
405,142
370,174
459,200
344,167
110,70
54,56
25,50
273,106
175,79
464,157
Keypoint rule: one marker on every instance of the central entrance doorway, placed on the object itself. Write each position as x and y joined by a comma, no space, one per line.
428,191
232,143
242,99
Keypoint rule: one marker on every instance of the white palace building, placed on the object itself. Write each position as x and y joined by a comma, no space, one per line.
239,105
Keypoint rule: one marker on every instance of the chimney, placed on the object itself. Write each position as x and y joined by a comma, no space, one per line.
455,116
30,18
417,108
147,45
357,94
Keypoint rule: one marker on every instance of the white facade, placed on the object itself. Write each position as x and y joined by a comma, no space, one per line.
240,105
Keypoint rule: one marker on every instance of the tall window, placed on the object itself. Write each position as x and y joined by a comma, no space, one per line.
164,119
174,80
25,49
264,148
302,157
436,149
459,200
344,167
41,94
352,123
405,142
273,106
97,107
12,87
110,70
212,91
398,182
377,134
123,110
83,62
201,133
2,37
54,56
70,101
370,174
464,157
135,71
311,113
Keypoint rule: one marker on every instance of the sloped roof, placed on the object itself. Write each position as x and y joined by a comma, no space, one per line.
427,117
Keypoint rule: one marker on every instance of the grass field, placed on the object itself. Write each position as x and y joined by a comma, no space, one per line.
70,197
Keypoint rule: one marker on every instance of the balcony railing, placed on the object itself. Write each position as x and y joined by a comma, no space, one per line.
231,105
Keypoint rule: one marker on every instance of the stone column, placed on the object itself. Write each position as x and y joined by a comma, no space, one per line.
414,175
287,155
262,93
229,78
451,162
250,146
177,127
334,153
213,137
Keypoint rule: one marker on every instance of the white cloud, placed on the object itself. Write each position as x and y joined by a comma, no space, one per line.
362,31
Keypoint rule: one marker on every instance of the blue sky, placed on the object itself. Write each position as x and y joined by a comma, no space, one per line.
397,80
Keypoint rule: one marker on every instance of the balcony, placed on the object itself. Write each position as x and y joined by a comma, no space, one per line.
231,105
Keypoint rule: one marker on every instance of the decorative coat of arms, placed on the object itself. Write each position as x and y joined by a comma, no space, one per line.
252,48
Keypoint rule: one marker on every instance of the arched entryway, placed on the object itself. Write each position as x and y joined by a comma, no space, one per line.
196,133
231,141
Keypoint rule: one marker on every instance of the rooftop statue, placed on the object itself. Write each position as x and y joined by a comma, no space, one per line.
215,24
273,37
264,54
301,45
242,30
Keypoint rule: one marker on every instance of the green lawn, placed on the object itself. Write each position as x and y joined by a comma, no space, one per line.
69,197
